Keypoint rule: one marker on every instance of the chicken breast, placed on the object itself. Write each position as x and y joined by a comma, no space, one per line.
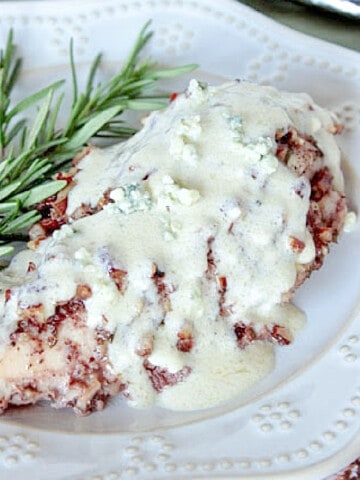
165,269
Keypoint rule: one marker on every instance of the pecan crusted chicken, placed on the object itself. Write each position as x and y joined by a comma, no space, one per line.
188,240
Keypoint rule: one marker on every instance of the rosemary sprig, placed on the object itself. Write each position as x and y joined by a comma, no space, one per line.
31,152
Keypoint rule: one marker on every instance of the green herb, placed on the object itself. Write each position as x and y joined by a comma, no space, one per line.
30,153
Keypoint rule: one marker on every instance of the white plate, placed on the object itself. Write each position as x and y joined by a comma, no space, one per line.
304,421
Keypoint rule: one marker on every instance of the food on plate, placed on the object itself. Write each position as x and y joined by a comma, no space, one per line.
165,269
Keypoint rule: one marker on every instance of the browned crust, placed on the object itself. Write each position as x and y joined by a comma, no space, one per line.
58,359
328,206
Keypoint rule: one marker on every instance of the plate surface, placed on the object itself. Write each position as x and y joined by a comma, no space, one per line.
304,420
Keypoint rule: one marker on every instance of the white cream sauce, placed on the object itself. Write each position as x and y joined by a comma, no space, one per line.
200,173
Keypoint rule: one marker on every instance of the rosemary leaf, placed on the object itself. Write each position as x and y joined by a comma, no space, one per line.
73,73
46,146
8,207
90,128
165,73
9,189
145,104
36,194
37,170
17,165
9,71
15,129
21,222
93,69
39,121
6,250
33,99
51,122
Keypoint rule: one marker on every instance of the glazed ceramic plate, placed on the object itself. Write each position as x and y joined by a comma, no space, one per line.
303,421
